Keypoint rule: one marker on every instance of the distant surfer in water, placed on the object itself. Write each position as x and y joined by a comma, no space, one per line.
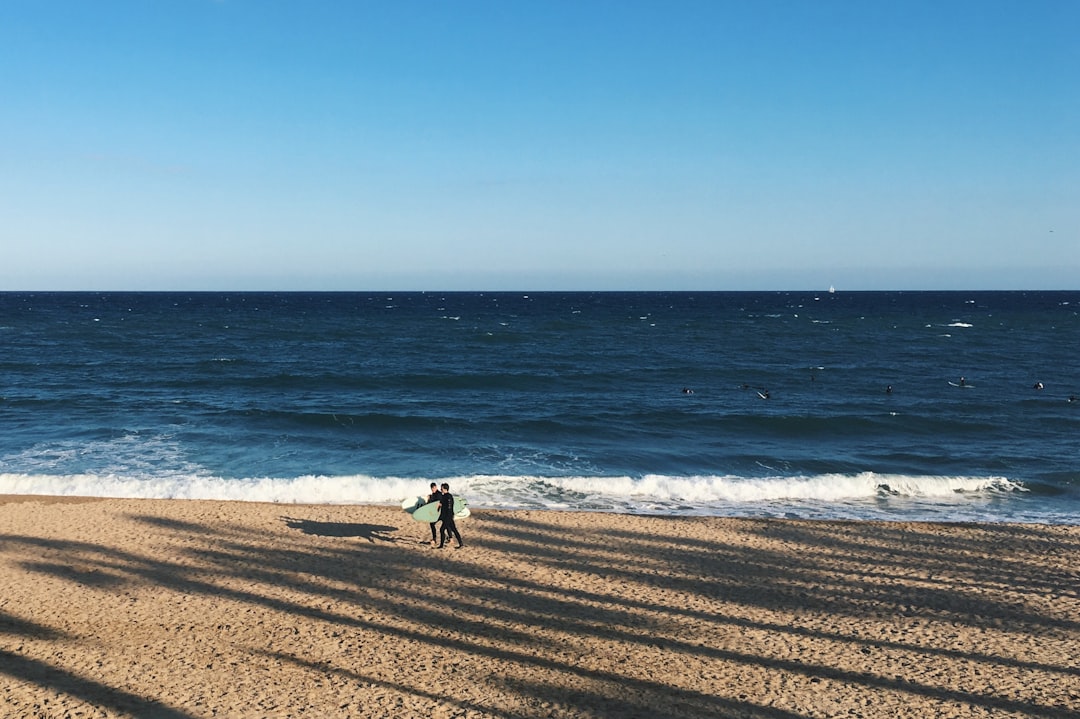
434,497
687,390
962,382
888,390
446,516
1037,385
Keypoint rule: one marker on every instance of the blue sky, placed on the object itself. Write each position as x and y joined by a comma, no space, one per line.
539,144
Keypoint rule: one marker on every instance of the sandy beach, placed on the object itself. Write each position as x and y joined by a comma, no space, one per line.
184,609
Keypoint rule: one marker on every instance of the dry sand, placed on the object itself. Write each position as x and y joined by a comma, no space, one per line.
183,609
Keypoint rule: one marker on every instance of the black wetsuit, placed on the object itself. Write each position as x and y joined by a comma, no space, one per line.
434,497
446,516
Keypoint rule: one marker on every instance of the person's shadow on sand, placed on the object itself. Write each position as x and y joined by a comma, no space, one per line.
370,532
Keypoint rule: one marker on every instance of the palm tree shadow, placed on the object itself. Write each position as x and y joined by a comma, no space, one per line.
92,692
370,532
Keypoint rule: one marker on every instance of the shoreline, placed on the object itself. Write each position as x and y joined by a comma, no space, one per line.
199,608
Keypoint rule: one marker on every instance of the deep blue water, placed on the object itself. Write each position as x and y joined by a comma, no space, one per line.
567,400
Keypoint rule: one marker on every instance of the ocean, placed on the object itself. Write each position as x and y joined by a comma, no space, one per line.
833,405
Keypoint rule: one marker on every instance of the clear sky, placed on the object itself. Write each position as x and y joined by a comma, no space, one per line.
539,144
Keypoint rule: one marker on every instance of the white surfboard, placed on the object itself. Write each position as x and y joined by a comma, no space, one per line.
430,511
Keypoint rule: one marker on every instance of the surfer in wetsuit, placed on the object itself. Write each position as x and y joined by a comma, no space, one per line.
446,516
434,497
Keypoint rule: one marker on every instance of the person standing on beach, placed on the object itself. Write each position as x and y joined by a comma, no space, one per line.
446,516
434,497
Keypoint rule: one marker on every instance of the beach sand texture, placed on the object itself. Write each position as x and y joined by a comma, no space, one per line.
184,609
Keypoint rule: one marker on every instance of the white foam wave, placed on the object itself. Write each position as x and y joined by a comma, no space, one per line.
611,493
297,490
704,490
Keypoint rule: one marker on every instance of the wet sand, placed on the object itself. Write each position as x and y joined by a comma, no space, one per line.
184,609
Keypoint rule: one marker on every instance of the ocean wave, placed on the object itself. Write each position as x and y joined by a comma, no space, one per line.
702,495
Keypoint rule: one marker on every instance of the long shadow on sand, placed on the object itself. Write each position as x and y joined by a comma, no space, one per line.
370,532
47,676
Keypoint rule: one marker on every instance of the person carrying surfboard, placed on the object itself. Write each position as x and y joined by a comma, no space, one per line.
434,497
446,516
